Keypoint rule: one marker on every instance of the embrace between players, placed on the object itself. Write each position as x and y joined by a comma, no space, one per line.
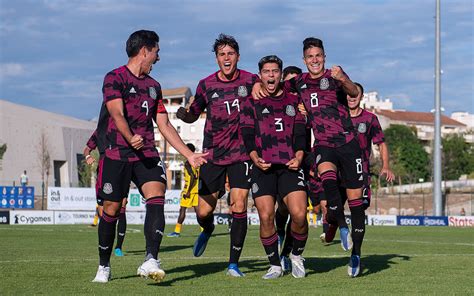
255,135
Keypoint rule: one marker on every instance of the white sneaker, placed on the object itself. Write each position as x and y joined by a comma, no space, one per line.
297,266
103,275
151,269
322,237
273,273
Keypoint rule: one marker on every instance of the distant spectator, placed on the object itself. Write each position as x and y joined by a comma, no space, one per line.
24,179
463,212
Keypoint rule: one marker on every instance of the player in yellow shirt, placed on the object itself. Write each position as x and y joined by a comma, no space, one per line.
189,195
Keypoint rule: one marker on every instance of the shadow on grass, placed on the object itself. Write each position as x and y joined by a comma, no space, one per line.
204,269
162,250
370,264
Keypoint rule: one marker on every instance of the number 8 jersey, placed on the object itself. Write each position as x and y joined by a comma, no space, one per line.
142,100
222,100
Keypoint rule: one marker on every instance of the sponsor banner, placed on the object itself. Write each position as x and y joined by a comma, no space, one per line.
4,218
31,217
435,221
63,217
461,221
409,221
84,199
422,220
382,220
17,197
138,218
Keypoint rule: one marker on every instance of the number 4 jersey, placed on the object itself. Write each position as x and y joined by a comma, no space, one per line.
222,99
142,100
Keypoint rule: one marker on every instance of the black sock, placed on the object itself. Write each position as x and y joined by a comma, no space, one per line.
121,228
237,235
358,224
106,231
334,205
280,221
207,223
299,242
270,244
288,244
154,225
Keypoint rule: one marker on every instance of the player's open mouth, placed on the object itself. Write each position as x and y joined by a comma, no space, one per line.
227,65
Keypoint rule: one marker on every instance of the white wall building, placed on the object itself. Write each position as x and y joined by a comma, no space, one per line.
21,128
371,100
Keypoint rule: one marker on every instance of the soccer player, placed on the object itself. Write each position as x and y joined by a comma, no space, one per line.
323,94
220,94
133,100
369,132
122,220
274,134
189,195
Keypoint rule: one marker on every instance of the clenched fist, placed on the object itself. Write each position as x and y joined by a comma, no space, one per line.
337,73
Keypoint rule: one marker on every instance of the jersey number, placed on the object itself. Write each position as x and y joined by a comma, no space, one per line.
145,105
314,100
278,124
359,165
235,104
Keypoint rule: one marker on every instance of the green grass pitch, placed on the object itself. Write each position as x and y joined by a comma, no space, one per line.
63,260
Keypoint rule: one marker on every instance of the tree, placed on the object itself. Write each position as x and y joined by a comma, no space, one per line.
409,159
458,157
87,172
3,149
44,163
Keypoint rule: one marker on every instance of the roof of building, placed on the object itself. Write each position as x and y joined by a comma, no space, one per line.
426,118
173,92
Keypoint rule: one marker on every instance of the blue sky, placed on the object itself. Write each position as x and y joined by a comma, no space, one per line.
55,53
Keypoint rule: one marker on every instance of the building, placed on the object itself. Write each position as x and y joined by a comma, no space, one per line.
190,133
371,100
422,121
22,128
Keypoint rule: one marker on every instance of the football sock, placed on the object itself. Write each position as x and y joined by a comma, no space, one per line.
334,205
106,234
121,228
270,244
154,225
288,244
237,235
280,221
358,224
299,242
177,228
207,223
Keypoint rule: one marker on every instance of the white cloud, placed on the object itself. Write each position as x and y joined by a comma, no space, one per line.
418,39
11,70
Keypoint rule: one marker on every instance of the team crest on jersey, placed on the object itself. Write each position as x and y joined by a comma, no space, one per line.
242,91
255,188
107,188
324,84
362,128
152,92
290,110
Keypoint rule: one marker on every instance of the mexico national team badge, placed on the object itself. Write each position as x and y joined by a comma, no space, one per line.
242,91
362,128
324,84
290,110
152,92
107,188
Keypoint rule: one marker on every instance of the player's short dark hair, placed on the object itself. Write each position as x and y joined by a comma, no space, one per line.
291,70
139,39
191,147
223,40
312,42
270,59
361,88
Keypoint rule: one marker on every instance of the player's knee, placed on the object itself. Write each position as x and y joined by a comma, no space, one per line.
239,207
299,219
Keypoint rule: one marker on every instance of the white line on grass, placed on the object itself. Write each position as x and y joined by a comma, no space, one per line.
419,242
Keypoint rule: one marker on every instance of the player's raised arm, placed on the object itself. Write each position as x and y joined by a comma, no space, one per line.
349,87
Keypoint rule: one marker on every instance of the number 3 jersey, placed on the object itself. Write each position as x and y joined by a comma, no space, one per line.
222,100
273,127
142,100
326,104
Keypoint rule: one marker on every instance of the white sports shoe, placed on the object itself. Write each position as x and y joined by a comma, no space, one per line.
273,273
151,269
103,275
297,266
